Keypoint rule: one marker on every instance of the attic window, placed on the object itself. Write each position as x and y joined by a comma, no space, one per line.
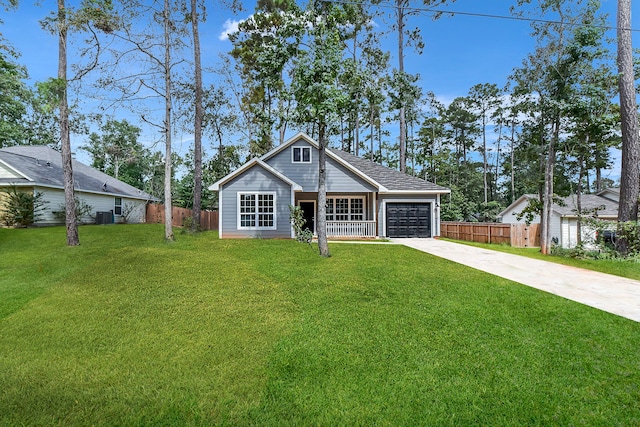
301,155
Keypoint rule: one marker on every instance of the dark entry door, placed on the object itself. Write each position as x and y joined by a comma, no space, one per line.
408,220
309,210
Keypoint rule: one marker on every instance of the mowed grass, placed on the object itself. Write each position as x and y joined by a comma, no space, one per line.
129,330
617,267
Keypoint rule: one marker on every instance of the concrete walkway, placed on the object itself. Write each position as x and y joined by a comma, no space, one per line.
613,294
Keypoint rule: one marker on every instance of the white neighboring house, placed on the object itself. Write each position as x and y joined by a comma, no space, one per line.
38,168
564,220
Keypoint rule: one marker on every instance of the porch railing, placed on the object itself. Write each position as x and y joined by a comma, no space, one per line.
351,229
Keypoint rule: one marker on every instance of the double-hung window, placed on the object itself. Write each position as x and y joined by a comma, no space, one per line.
345,209
301,154
117,206
256,211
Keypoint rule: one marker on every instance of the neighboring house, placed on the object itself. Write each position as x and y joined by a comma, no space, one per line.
564,219
38,168
364,199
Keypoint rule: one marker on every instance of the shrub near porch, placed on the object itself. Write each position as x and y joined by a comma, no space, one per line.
126,329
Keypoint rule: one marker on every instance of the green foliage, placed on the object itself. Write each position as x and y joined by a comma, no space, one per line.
303,234
219,165
116,151
630,232
21,208
14,96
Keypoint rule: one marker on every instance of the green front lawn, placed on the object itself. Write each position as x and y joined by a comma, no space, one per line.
617,267
129,330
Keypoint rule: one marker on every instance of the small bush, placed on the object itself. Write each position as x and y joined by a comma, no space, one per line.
129,208
303,234
21,208
82,209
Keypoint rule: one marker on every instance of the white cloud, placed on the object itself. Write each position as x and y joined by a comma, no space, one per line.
230,26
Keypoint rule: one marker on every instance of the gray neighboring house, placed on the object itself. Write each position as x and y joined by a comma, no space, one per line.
38,168
364,199
564,219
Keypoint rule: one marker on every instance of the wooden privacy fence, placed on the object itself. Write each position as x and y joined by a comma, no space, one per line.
155,215
516,235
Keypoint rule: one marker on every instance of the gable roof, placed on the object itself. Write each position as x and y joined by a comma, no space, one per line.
41,166
253,162
589,202
385,179
606,207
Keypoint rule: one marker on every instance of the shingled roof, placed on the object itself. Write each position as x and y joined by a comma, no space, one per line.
391,179
589,202
605,207
42,166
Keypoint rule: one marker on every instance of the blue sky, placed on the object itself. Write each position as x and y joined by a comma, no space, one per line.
460,50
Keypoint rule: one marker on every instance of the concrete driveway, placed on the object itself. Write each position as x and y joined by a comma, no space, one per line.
613,294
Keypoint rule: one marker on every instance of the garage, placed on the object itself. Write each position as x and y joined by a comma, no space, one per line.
408,219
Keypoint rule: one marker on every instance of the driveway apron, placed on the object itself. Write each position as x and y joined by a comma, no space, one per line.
613,294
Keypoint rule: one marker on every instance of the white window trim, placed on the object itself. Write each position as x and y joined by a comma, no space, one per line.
115,205
301,148
364,207
256,193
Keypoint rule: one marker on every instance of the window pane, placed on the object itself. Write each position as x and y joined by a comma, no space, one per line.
247,220
306,154
357,210
265,220
342,209
247,203
296,154
265,202
329,209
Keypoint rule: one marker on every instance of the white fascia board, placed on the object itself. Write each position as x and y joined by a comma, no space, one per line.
446,191
79,190
25,176
349,166
294,186
253,162
216,185
514,204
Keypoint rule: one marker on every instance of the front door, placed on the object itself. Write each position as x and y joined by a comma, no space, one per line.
309,210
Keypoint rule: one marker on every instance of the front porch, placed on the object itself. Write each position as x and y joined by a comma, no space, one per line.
351,216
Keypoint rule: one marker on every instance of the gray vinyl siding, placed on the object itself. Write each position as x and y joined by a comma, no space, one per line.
555,227
338,178
255,179
383,199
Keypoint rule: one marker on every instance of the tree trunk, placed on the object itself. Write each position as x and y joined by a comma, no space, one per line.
197,143
545,220
323,244
513,174
168,216
484,157
403,124
371,130
630,174
579,198
71,222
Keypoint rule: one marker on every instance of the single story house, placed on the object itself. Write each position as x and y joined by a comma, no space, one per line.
564,219
364,199
38,168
